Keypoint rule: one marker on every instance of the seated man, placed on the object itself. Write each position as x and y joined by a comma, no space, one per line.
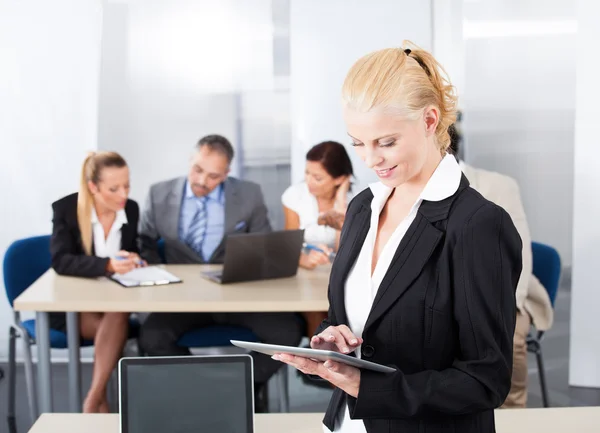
193,215
533,303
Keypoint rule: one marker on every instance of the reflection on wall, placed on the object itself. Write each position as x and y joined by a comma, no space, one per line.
519,105
173,71
324,45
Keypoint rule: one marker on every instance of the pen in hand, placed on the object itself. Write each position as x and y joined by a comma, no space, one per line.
309,247
137,262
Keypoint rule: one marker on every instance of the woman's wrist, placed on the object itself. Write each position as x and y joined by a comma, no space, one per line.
109,267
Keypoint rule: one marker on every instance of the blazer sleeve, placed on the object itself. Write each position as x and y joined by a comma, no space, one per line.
259,219
486,264
148,234
509,198
65,249
133,217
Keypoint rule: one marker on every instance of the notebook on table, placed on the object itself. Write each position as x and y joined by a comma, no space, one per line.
147,276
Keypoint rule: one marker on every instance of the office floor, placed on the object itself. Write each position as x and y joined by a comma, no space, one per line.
305,398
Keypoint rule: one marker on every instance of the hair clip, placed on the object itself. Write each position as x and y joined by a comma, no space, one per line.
408,51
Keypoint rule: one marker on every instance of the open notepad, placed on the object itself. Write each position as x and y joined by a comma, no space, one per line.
148,276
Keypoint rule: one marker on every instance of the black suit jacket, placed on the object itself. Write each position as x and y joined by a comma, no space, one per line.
444,317
68,257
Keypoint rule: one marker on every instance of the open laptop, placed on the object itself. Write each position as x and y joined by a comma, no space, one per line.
185,394
259,256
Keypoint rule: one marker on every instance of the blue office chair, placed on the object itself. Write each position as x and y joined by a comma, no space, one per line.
547,269
220,336
24,262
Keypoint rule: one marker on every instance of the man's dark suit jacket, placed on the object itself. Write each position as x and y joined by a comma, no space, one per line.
68,257
444,317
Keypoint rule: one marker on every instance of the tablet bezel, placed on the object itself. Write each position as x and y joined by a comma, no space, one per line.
178,360
321,355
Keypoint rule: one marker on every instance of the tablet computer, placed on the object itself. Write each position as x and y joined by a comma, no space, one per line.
315,354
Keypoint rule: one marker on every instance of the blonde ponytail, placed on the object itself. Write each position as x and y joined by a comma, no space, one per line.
90,172
403,81
85,201
444,91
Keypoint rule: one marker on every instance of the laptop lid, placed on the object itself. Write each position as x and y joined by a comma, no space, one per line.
185,394
262,256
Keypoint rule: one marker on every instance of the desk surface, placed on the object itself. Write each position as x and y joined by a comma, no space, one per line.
307,291
553,420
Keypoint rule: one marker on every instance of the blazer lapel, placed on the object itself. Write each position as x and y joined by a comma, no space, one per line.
232,206
412,254
171,209
347,255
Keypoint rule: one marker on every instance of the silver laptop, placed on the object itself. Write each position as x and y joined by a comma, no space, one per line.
259,256
186,394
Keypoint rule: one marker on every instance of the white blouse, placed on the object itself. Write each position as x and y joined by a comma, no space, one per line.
361,287
111,245
299,199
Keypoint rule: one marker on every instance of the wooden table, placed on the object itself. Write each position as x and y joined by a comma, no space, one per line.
552,420
51,292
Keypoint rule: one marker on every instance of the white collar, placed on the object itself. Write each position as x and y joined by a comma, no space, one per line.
120,219
443,183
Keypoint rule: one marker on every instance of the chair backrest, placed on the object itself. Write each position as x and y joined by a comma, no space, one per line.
161,250
546,268
24,262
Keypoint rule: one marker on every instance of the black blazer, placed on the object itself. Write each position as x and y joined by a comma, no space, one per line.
444,317
68,257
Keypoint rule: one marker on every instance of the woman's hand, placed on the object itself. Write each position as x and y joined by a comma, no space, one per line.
343,376
314,258
341,196
139,263
332,218
124,262
337,338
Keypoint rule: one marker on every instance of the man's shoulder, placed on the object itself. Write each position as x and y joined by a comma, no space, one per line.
243,186
490,182
166,186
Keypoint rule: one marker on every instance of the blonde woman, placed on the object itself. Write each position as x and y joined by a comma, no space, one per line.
95,234
425,276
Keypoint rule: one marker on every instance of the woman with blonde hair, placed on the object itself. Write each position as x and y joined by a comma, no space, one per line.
424,280
94,234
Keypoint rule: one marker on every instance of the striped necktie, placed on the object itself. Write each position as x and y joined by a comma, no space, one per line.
197,229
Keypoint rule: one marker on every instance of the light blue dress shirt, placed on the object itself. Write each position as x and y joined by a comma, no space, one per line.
215,211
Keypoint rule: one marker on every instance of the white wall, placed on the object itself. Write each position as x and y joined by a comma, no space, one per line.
448,40
584,361
326,38
174,71
49,58
519,103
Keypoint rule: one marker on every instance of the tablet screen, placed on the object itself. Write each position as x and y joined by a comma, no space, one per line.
186,394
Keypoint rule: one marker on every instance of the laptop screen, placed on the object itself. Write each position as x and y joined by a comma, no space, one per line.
186,394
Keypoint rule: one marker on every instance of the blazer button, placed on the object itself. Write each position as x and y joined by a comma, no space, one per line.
368,351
